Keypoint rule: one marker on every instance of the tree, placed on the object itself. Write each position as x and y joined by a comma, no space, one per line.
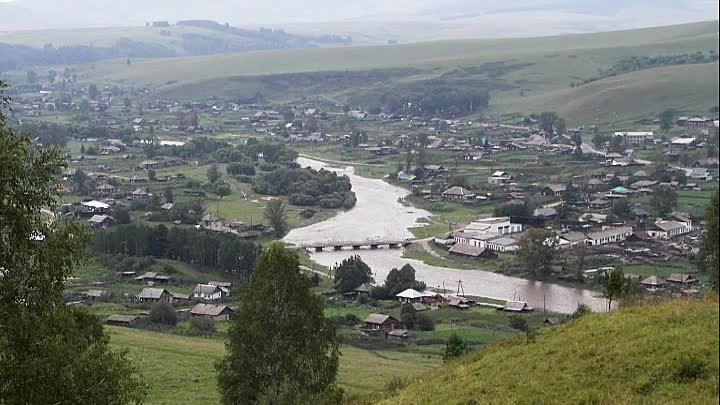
163,314
560,126
615,286
617,144
577,139
280,337
547,122
31,76
667,119
351,273
168,194
570,194
275,214
49,353
664,200
621,208
93,92
711,244
400,280
223,190
455,347
598,140
151,175
52,75
82,149
122,216
84,107
537,251
213,173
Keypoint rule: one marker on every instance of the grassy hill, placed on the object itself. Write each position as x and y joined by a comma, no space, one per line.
521,72
664,354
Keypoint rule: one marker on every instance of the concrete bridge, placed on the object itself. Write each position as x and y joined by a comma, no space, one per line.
355,245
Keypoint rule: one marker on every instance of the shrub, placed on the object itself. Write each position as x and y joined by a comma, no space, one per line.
519,323
244,179
202,326
163,313
302,200
351,319
307,213
424,323
689,369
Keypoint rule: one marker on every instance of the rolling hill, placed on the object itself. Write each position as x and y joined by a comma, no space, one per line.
523,74
663,354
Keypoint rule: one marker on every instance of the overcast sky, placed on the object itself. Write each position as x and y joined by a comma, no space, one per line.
519,17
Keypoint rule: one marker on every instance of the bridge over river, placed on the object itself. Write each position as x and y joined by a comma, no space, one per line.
355,244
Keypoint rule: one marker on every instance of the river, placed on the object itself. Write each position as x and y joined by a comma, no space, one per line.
379,214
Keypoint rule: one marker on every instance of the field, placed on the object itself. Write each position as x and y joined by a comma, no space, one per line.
179,370
630,357
537,76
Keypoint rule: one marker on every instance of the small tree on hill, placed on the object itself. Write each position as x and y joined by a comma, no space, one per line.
400,280
664,200
455,347
213,173
667,120
351,273
615,286
280,341
708,259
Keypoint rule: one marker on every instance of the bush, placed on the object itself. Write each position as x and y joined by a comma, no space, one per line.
424,323
244,179
302,200
351,319
163,313
307,213
202,326
519,323
689,369
241,169
268,167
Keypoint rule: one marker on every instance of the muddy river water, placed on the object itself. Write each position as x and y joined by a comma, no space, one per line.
379,214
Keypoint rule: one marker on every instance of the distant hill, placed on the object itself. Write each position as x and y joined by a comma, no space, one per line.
523,74
664,354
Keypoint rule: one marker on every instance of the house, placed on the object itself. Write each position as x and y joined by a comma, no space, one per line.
545,212
459,303
611,235
411,296
180,298
167,206
458,193
462,249
154,295
435,170
407,177
495,225
556,190
148,164
663,229
99,221
636,137
141,192
653,283
152,277
572,239
127,321
379,324
503,244
105,189
552,321
206,292
93,295
684,142
211,311
107,150
700,173
517,306
363,290
599,204
500,178
681,279
398,334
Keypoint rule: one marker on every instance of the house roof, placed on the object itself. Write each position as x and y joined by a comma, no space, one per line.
654,281
418,307
699,172
411,294
364,288
505,241
152,293
466,250
556,188
459,191
545,212
378,319
98,219
105,187
95,204
209,309
94,293
573,236
121,318
205,289
225,284
609,233
680,278
669,226
500,174
516,306
398,333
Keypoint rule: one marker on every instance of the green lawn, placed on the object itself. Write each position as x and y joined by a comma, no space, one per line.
179,370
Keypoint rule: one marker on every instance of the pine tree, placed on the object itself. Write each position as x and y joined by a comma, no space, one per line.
455,347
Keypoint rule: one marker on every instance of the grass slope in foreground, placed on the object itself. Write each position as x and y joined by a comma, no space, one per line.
664,354
180,370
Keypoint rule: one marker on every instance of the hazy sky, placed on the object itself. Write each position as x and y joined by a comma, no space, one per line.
517,17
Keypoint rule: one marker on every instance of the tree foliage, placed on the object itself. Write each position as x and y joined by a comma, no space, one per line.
615,286
351,273
275,215
455,347
280,337
49,353
711,244
664,200
307,187
537,250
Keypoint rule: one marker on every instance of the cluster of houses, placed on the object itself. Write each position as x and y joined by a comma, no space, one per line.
676,283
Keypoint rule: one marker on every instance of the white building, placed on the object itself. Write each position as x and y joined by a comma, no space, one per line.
637,137
207,292
496,225
490,233
500,178
611,235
